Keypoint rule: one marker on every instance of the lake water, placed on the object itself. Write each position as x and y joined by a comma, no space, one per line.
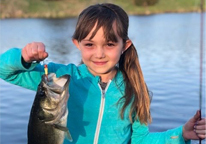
168,47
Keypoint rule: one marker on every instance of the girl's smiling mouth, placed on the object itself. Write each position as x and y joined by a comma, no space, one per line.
99,62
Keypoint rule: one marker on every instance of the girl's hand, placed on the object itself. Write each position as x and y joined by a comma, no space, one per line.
195,128
34,51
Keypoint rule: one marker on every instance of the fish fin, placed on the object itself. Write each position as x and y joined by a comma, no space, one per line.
68,135
66,130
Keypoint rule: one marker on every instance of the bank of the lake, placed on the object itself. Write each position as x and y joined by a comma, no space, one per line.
71,8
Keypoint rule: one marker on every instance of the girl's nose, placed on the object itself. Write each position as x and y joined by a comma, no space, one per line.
99,53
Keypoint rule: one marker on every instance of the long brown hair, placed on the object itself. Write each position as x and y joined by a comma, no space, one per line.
136,93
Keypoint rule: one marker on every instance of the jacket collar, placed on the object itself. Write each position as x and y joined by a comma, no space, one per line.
83,72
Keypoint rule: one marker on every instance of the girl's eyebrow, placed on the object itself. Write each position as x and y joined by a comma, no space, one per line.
87,40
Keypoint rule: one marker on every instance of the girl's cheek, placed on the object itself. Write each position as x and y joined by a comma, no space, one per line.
86,54
114,53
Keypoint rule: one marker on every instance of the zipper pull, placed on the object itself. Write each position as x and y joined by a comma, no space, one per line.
103,93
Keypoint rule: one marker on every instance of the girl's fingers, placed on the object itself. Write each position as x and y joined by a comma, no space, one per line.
200,132
29,52
202,121
41,52
34,52
200,127
201,136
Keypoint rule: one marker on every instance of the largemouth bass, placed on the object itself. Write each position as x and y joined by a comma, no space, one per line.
48,117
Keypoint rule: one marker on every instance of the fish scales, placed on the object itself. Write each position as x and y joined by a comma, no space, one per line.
48,116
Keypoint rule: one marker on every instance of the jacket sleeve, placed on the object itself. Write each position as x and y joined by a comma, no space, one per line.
141,135
25,75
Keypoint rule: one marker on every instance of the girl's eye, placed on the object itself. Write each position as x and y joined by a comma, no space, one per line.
110,44
88,44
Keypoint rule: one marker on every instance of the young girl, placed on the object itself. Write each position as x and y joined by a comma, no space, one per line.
109,100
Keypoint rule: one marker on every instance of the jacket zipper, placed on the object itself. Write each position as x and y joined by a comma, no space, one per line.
101,112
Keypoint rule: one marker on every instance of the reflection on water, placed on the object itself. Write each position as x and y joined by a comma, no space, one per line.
168,48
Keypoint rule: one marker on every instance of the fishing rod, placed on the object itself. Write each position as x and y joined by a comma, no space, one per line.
201,57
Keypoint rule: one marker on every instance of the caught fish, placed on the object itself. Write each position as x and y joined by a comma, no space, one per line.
48,116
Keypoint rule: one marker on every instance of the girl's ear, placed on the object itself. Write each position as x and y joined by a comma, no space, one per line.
127,45
76,43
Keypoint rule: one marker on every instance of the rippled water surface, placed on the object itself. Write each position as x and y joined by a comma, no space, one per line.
168,47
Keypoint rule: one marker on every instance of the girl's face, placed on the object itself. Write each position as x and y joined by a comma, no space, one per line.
100,55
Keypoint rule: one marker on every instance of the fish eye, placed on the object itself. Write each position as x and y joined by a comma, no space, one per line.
41,91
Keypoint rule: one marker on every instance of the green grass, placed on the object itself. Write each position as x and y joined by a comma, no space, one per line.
162,6
71,8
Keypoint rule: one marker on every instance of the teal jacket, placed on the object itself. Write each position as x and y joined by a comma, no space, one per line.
93,113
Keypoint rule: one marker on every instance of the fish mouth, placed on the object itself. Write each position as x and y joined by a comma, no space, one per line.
54,83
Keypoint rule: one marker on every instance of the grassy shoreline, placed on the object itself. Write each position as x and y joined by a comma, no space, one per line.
72,8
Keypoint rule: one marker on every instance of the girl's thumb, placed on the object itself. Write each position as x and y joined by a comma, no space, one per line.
196,116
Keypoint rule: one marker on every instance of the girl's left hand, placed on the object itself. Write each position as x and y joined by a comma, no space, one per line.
195,128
